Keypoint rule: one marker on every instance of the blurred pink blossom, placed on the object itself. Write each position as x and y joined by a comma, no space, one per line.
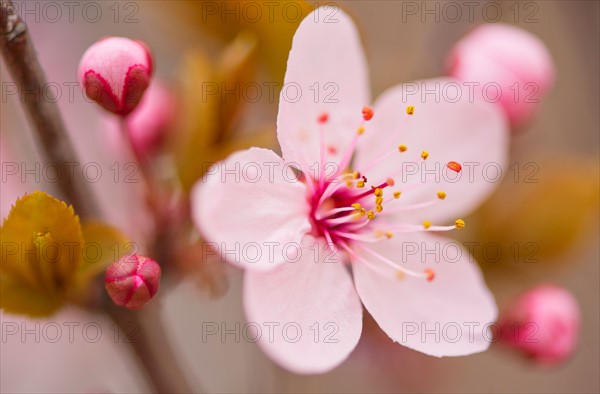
543,323
506,60
148,124
309,230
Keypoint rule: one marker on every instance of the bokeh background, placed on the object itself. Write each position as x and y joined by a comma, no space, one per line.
559,213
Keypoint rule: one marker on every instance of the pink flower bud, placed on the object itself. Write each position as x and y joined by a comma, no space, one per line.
132,281
115,72
543,323
508,61
150,121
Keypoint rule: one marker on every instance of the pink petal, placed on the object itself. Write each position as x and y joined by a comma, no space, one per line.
249,207
470,132
312,307
326,73
456,306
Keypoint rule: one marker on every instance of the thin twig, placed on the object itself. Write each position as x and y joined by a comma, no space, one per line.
149,342
42,111
145,332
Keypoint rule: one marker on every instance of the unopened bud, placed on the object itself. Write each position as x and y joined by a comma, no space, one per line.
132,281
115,72
543,323
511,59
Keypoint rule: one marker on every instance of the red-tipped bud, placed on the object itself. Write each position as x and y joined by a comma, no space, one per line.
543,323
115,72
132,281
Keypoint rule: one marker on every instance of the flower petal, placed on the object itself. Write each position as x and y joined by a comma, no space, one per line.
249,207
326,73
470,132
444,317
311,304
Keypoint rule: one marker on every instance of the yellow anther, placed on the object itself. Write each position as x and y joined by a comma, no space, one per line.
400,275
389,234
397,195
355,175
379,200
441,195
356,206
370,215
426,224
378,192
378,208
360,130
424,155
360,183
402,148
410,110
349,184
459,223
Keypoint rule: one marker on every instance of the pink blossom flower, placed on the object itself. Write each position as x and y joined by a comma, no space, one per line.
115,72
543,323
508,62
132,281
355,224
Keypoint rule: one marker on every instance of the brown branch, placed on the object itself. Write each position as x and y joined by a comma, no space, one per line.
149,342
145,332
43,114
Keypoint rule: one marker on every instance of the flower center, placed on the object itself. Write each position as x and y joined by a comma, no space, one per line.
347,209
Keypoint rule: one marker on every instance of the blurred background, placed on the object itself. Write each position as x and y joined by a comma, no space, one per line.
558,214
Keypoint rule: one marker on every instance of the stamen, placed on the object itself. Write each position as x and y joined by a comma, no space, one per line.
412,207
334,186
323,118
424,155
426,224
410,110
334,212
441,195
396,267
402,148
356,237
360,130
459,223
330,243
430,274
454,166
397,195
367,113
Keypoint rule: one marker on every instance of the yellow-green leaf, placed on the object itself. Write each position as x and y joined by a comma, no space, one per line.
18,298
41,252
104,245
235,72
198,124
